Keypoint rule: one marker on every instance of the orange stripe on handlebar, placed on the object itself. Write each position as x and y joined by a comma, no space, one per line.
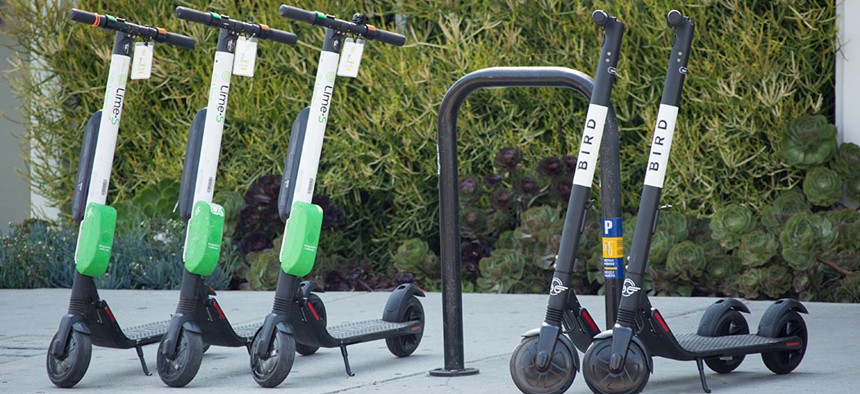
371,27
161,31
96,23
265,27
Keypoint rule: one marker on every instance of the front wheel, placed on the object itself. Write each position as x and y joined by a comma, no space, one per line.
405,345
788,325
556,379
273,368
68,371
600,379
181,369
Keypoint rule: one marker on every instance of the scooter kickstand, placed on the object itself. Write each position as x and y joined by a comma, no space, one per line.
702,375
346,361
142,361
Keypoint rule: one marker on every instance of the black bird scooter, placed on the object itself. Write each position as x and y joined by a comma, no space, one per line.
90,320
619,360
199,319
545,361
298,318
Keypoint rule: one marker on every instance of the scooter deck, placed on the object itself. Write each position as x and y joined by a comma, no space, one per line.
367,330
727,345
248,330
145,334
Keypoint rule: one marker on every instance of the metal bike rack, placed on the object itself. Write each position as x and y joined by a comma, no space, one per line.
449,211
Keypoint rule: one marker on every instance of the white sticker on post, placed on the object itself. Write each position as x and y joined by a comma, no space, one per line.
350,58
141,66
246,56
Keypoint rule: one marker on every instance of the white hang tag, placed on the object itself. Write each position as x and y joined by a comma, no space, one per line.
350,58
246,56
141,66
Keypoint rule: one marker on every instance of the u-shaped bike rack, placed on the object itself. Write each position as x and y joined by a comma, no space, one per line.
449,211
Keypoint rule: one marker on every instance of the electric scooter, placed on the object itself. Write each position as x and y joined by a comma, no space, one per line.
619,360
298,318
89,320
199,319
545,361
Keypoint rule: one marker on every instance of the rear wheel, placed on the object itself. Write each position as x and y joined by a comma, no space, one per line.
731,322
788,325
271,369
182,368
555,379
316,304
405,345
69,370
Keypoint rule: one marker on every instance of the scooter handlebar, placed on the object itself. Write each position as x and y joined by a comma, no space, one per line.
675,19
313,18
204,18
278,36
83,16
299,14
385,36
179,40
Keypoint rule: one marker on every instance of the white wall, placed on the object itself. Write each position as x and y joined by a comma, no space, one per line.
848,72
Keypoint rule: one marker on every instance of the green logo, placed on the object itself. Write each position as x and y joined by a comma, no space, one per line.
219,118
225,76
330,77
114,120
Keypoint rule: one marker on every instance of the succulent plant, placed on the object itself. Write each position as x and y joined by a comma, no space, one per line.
776,281
255,242
526,185
493,180
551,167
473,222
661,243
730,223
852,188
722,266
847,160
822,186
846,222
808,141
561,189
849,288
501,271
789,203
263,191
414,256
536,219
501,199
804,238
674,223
509,158
686,258
265,266
232,203
469,189
749,283
570,163
757,248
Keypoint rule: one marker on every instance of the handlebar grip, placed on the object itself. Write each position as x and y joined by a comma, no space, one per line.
179,40
193,15
279,36
386,37
675,19
297,14
83,16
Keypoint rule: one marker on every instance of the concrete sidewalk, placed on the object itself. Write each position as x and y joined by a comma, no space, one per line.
493,324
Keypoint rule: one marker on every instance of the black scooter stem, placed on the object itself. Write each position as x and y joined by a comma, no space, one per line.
656,169
586,161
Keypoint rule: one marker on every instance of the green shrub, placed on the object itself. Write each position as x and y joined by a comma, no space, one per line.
808,141
731,223
822,186
379,163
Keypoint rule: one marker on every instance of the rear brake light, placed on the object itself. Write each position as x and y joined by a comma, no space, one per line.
793,344
661,321
589,320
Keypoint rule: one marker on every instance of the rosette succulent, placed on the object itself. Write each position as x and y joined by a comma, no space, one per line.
788,204
804,238
509,158
808,141
551,167
822,186
414,256
501,271
686,258
757,248
846,222
674,223
469,189
730,223
847,160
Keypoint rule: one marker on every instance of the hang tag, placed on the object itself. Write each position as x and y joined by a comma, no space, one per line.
246,56
350,58
141,66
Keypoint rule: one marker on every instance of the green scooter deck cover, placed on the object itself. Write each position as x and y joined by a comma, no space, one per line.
95,240
299,249
203,239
